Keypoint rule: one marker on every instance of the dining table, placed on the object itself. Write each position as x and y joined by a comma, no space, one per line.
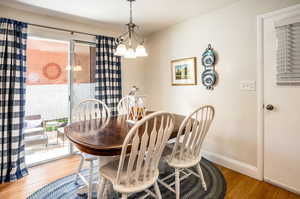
104,138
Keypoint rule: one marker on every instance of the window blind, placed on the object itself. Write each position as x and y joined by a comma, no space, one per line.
288,54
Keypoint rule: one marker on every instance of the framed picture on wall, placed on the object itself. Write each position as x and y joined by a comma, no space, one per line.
184,71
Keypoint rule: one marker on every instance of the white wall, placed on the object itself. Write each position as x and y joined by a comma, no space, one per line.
133,74
232,33
49,101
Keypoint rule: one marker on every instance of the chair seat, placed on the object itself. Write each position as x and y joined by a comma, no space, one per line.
33,131
89,157
109,171
61,130
36,140
176,162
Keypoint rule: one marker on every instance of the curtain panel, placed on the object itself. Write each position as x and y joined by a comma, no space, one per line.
108,73
13,38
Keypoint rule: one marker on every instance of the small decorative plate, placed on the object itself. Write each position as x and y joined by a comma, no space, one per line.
208,57
208,78
52,71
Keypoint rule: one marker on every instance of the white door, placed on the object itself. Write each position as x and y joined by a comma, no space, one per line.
281,116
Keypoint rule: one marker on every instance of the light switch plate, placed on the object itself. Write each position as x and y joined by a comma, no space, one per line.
248,85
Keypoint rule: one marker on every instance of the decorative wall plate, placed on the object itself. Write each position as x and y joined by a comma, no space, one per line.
52,71
208,57
209,78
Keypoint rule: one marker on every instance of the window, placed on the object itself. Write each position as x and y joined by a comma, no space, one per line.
47,62
46,100
52,91
288,54
84,63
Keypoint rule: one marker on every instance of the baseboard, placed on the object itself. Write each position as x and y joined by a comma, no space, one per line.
284,186
232,164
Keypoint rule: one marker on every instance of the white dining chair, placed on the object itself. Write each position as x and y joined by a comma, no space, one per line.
138,170
89,112
123,106
185,154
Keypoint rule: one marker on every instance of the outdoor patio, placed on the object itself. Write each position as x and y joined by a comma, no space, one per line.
46,140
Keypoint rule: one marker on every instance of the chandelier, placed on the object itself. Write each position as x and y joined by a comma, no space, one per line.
130,40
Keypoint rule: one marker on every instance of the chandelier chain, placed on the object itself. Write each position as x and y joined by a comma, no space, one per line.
130,18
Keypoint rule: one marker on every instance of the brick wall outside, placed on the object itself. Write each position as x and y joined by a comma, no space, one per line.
41,53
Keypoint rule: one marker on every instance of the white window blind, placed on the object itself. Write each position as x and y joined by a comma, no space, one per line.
288,54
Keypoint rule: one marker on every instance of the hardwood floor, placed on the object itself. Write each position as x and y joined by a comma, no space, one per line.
238,186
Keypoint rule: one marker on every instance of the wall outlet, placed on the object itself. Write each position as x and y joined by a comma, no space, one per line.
248,85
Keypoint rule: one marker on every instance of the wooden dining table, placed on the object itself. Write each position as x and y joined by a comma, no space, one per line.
105,138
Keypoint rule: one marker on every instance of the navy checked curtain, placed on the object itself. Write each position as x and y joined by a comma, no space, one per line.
13,37
108,73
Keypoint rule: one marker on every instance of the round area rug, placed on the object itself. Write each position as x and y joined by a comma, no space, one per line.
66,188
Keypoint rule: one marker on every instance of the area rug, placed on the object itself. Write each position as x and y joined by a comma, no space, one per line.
65,188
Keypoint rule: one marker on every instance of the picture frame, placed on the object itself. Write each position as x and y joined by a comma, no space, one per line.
184,72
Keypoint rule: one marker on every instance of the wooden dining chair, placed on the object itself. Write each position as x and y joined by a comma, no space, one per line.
138,170
186,152
123,106
89,112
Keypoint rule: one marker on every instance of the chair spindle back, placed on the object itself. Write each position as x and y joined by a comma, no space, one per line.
92,113
146,142
123,106
192,133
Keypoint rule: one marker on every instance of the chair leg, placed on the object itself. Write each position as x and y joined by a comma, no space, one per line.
101,188
199,170
63,136
57,137
157,191
124,196
79,168
90,186
177,183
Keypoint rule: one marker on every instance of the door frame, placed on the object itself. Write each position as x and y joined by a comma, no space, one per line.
289,11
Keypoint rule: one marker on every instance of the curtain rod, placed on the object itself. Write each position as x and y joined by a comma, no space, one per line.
62,29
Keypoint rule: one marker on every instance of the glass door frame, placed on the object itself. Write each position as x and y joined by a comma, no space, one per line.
71,62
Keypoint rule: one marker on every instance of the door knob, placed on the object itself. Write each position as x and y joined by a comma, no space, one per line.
270,107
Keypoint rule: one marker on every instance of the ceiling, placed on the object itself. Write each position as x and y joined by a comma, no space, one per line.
151,15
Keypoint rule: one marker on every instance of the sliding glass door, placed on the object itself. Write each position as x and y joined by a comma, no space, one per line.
82,73
47,103
60,74
82,81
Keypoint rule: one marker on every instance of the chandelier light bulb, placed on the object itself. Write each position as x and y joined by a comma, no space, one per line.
121,50
130,54
77,68
141,51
